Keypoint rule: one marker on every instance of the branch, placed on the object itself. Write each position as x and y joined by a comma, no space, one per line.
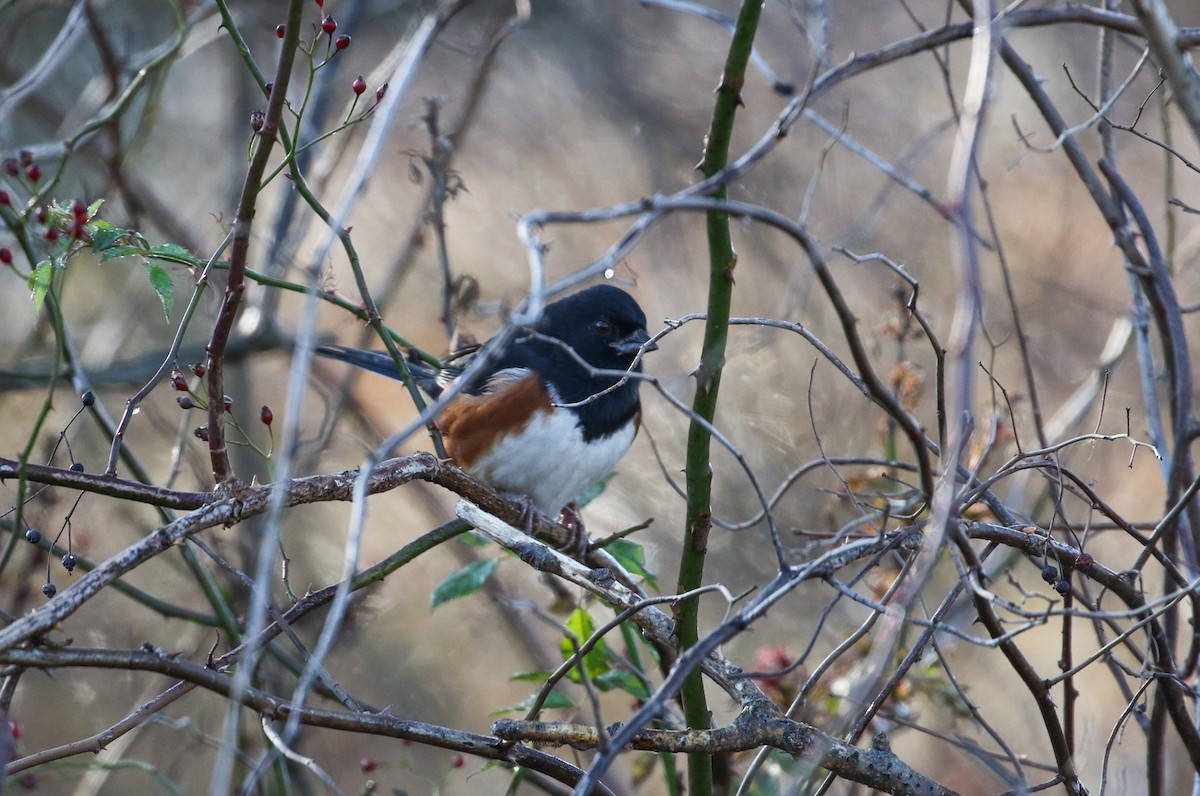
877,767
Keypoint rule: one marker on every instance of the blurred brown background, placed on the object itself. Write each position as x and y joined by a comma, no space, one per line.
585,105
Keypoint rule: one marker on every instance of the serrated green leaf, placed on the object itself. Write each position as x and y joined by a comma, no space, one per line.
467,580
163,286
632,556
595,662
94,208
624,680
39,284
104,236
117,250
174,253
555,700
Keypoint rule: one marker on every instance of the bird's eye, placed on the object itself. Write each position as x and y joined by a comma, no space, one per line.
602,327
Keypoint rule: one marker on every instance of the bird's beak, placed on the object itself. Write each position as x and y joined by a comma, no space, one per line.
631,344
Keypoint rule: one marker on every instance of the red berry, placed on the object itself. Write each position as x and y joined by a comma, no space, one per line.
14,727
51,234
320,3
379,92
227,402
11,167
201,433
79,210
280,31
185,402
179,382
366,764
459,760
256,120
199,369
359,85
329,24
34,172
269,86
78,231
5,199
26,158
266,415
342,42
5,256
40,215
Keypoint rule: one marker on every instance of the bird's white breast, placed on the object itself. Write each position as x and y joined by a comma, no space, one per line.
549,461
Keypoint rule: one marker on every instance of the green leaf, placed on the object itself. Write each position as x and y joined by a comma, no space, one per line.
594,491
474,538
595,662
174,253
632,556
530,677
553,701
105,235
116,251
163,286
467,580
39,283
624,680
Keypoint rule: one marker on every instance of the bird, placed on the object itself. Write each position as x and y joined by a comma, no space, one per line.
550,415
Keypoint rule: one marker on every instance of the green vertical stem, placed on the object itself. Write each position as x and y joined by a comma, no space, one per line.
722,262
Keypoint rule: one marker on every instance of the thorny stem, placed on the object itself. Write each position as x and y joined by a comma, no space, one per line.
722,262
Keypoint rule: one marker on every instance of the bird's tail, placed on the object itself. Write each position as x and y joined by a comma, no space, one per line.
381,362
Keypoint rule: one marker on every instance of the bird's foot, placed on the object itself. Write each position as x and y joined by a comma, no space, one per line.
529,514
572,520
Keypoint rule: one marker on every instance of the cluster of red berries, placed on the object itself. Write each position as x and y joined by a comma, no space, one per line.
185,401
179,382
329,26
23,163
75,225
79,218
